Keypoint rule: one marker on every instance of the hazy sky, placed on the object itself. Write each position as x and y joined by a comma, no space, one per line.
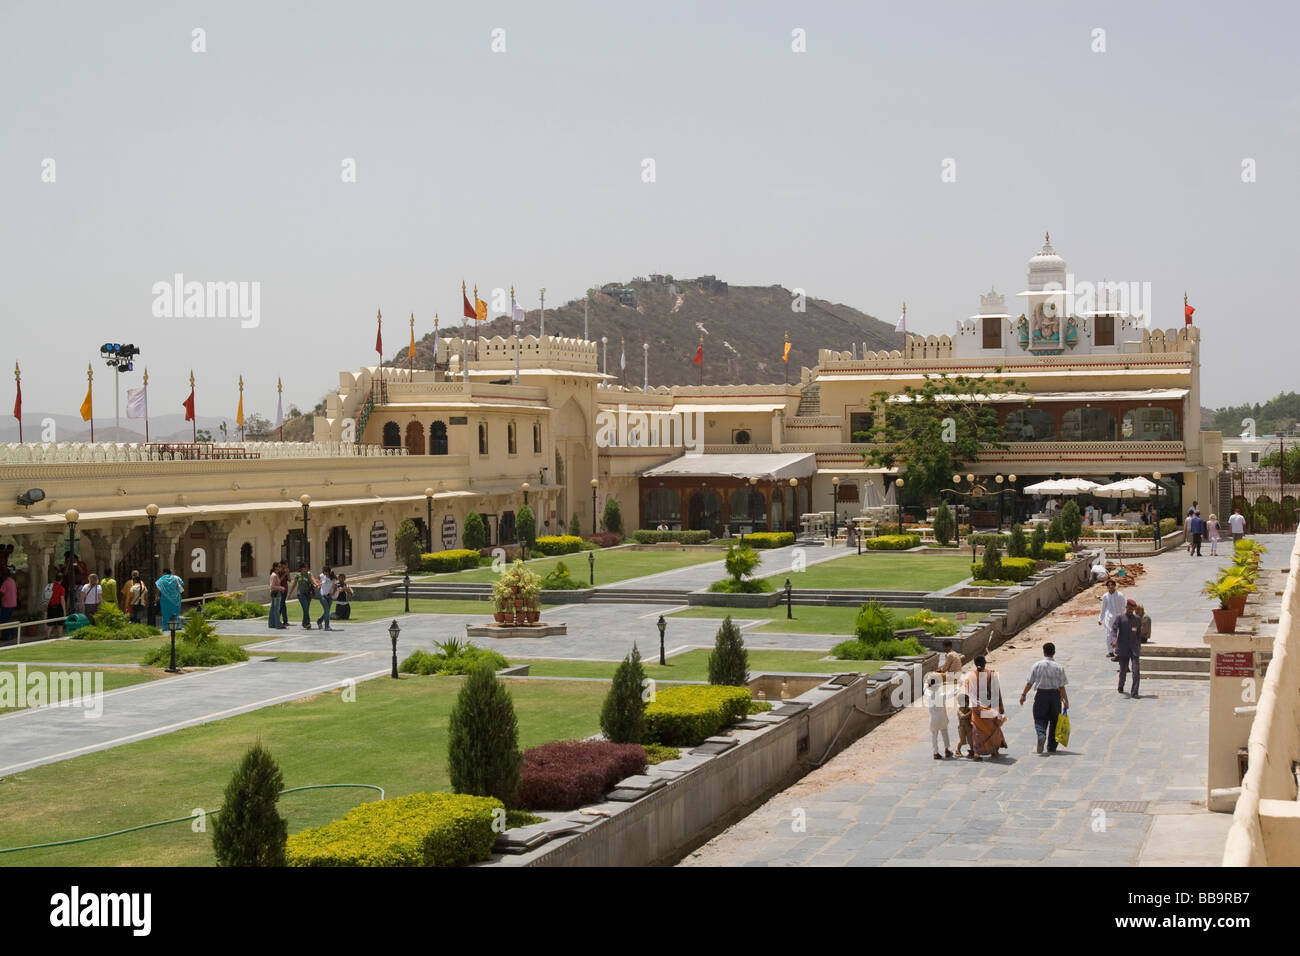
820,169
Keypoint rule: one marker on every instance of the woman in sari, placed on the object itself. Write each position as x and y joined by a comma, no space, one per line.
170,588
987,712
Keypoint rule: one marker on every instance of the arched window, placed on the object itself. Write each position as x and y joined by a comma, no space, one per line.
414,438
246,566
511,445
506,528
1088,424
482,439
663,506
537,438
438,438
392,435
1029,424
291,550
748,510
338,547
1150,424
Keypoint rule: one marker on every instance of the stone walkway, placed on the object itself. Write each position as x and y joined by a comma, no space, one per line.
1129,791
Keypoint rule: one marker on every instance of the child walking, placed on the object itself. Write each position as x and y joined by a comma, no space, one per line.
936,701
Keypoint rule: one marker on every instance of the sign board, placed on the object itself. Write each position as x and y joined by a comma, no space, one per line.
961,617
1234,664
378,540
459,420
448,533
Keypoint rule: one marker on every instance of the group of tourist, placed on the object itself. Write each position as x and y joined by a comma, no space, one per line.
332,590
64,597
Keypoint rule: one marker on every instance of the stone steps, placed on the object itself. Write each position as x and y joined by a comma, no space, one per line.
638,596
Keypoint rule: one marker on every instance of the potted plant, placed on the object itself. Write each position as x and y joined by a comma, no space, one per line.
1224,590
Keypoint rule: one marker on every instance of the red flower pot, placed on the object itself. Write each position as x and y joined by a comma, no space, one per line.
499,616
533,616
1225,620
1237,603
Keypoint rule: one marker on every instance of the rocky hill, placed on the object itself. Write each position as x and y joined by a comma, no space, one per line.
743,328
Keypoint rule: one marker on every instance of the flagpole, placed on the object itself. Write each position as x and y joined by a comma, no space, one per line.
586,335
464,336
194,420
279,405
146,406
412,346
701,359
117,401
18,403
645,349
543,335
476,334
517,330
435,342
379,341
241,408
622,359
90,388
786,358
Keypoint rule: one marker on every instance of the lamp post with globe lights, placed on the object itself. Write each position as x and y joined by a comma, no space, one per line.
152,512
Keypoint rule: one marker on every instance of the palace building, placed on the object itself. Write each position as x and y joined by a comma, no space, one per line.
504,418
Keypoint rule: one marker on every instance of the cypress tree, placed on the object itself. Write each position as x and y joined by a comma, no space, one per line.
613,516
1017,547
991,569
483,739
622,717
729,661
475,535
249,830
944,524
526,528
1036,542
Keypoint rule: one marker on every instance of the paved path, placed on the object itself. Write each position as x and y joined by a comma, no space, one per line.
886,801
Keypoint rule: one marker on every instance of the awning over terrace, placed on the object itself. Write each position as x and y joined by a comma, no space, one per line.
774,466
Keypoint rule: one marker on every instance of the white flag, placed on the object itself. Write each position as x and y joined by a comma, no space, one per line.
517,312
902,322
137,402
279,410
622,360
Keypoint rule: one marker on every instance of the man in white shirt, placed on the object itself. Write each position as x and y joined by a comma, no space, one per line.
1237,524
326,597
1050,698
1112,609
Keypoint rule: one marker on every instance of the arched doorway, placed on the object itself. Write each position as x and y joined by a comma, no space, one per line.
706,512
438,438
414,438
392,435
748,511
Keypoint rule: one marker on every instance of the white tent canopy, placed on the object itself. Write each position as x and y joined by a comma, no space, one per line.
766,466
1061,486
1138,487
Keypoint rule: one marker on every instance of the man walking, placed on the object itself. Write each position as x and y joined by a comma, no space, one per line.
1112,609
1237,524
277,600
1050,698
1197,525
1128,647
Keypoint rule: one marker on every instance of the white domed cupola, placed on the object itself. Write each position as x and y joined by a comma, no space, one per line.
1046,267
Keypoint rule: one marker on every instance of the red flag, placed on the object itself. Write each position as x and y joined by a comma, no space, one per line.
699,355
469,313
379,341
1187,314
189,406
18,403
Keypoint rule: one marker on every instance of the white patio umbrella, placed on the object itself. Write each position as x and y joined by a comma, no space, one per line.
1137,487
1061,486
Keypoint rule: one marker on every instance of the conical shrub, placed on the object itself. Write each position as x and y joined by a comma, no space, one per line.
622,716
729,662
249,830
483,739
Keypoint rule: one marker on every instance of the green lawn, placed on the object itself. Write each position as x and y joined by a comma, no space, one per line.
808,619
881,571
113,679
611,566
394,735
106,652
694,665
394,607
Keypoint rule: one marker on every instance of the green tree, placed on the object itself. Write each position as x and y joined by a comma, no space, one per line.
1036,542
526,528
249,830
934,431
729,661
257,426
944,524
1291,472
991,568
1055,529
1071,522
575,526
409,545
613,517
622,716
1017,547
475,535
741,560
483,755
874,623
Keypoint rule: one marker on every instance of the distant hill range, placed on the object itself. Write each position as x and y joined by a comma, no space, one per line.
70,428
743,328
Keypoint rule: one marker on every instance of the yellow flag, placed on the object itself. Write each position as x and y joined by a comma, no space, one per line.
785,356
239,414
480,307
87,409
412,342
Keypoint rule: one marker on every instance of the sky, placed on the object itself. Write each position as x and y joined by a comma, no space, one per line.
822,169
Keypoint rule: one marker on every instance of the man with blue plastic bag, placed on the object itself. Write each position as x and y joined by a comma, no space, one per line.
1050,698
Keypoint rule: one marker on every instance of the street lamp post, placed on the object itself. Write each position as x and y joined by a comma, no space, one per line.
525,488
393,631
835,507
594,483
663,626
898,494
428,519
999,480
306,538
406,586
71,516
591,567
794,503
152,512
789,591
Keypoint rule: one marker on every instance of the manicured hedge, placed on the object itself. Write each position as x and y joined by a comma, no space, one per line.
423,829
567,774
892,542
1013,569
683,716
984,540
770,539
604,539
558,544
458,559
1052,551
643,536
